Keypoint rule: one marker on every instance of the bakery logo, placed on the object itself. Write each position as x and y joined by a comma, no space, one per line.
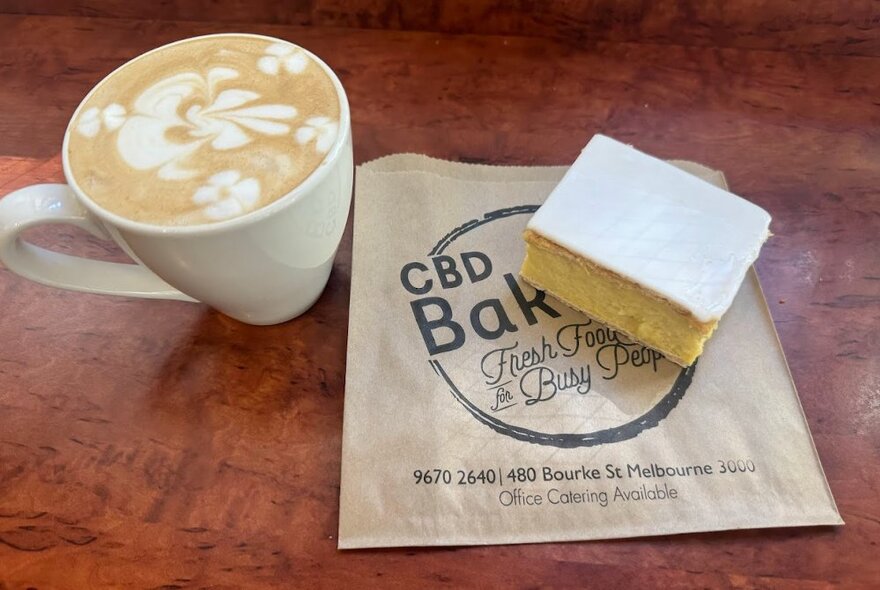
523,363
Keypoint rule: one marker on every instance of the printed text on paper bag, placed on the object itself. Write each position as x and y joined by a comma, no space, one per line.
536,381
624,477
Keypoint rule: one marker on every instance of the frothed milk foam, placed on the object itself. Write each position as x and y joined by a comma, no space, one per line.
203,131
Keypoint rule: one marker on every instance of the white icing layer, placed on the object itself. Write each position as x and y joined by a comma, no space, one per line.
656,225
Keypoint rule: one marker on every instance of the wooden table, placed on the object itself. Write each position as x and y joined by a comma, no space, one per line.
150,444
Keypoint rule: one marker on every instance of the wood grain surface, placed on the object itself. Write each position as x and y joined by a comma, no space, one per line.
149,444
841,26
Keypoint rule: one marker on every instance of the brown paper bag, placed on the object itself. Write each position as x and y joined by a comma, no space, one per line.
478,411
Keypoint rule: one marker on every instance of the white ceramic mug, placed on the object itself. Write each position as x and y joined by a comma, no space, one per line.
265,267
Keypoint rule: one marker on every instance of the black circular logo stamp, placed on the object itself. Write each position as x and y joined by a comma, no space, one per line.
523,364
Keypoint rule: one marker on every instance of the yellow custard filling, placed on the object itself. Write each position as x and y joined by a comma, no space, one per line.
609,298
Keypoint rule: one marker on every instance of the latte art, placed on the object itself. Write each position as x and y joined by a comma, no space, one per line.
204,130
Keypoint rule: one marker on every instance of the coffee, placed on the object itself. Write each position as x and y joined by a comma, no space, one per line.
203,130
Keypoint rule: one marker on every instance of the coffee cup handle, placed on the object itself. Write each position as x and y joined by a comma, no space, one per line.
41,204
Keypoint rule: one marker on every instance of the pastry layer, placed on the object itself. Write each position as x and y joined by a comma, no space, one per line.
674,234
610,298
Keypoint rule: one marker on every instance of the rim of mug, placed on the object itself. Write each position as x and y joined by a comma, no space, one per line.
316,176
